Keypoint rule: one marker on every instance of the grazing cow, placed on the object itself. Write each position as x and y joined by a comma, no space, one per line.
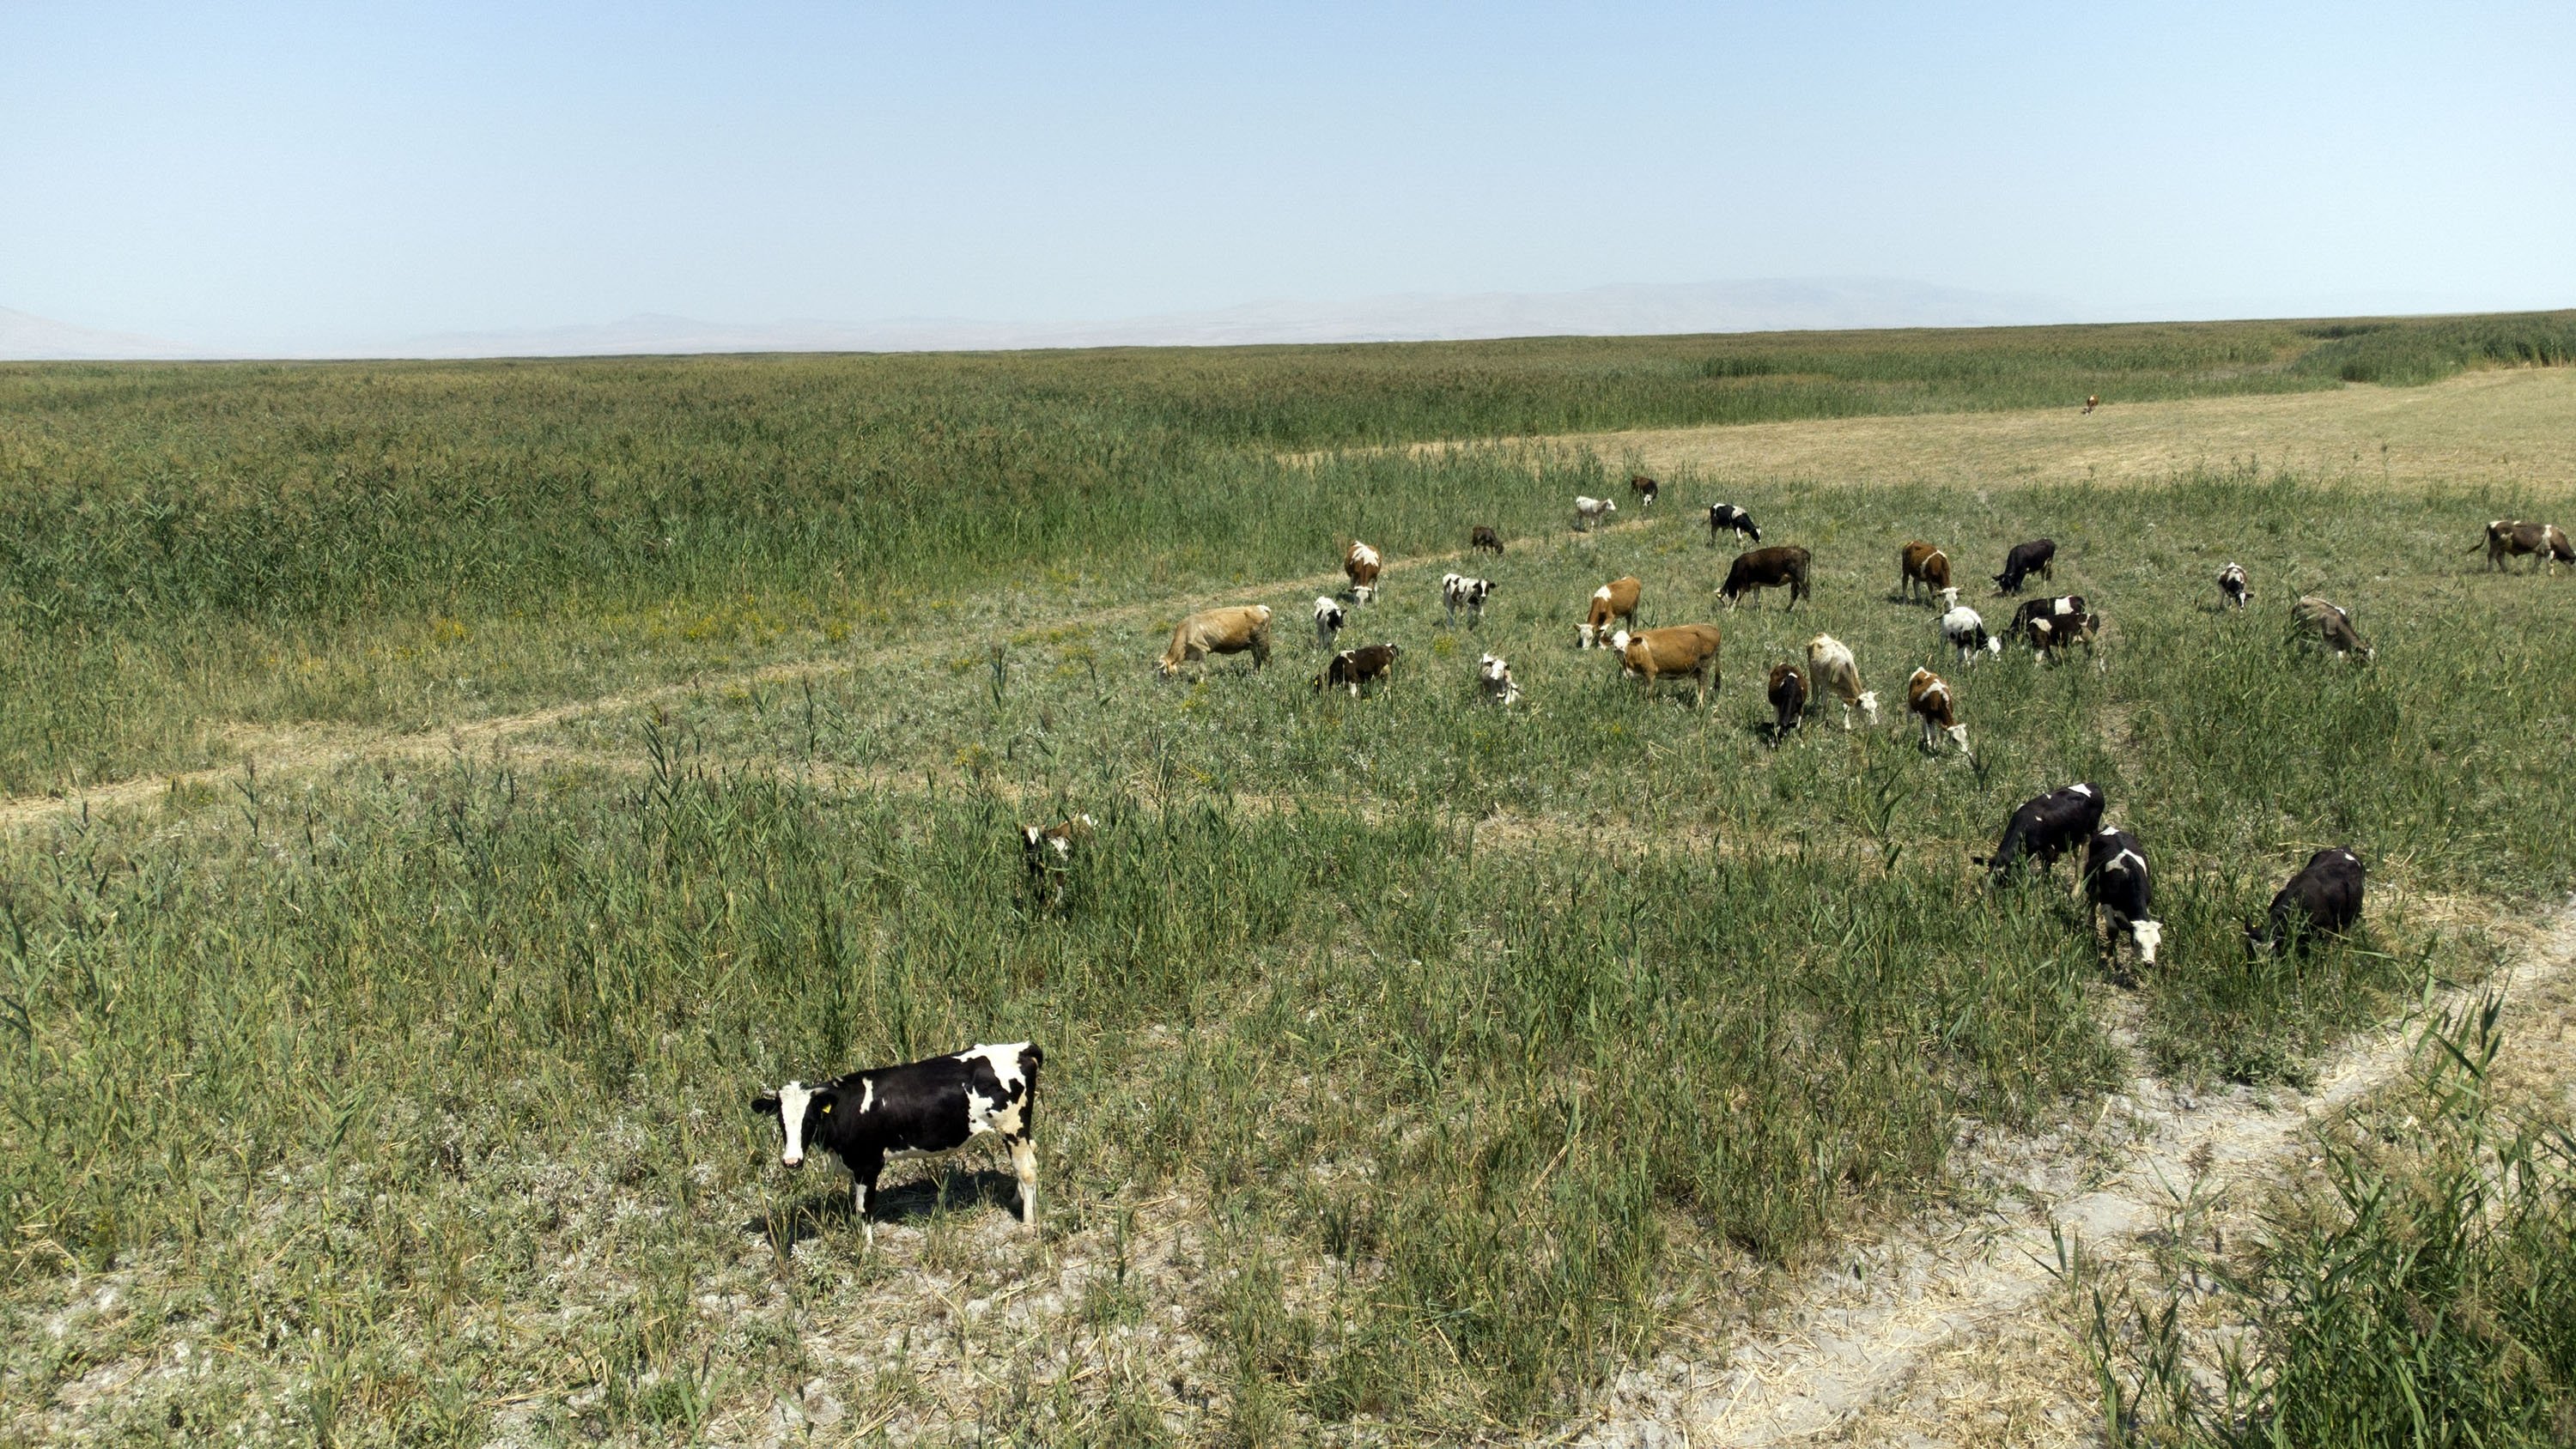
1670,653
1368,664
2331,625
1927,696
1965,628
1646,489
2323,899
1831,665
2039,556
1613,602
2116,883
2062,606
1788,699
1483,537
2514,537
1047,853
1920,564
1328,621
1494,681
1727,518
934,1106
2044,828
2232,588
1461,592
1589,511
2091,401
1360,564
1219,631
2054,632
1767,568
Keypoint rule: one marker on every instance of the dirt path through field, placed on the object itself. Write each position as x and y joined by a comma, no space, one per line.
317,749
1941,1332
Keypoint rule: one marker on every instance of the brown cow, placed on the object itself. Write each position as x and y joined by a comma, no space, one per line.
1646,489
1613,602
1484,537
1368,664
1219,631
1682,649
1839,675
1788,699
1927,695
2514,537
1919,564
1767,568
2331,625
2092,401
1360,563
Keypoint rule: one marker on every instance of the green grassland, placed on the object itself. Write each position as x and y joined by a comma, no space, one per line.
1412,1064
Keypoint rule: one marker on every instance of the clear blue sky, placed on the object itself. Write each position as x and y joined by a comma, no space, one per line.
304,174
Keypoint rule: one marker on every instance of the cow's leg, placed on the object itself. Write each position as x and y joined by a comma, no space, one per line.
1024,1166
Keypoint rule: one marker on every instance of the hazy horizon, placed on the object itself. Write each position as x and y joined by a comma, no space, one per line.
273,180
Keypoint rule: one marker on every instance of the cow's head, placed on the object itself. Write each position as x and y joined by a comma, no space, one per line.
2148,935
1619,642
799,1111
1950,598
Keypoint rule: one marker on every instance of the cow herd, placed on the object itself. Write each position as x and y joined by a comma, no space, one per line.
991,1091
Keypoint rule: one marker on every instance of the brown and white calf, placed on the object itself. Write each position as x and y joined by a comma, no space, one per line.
1494,681
1046,852
1679,651
2233,590
1783,566
2092,400
1646,489
1830,668
937,1105
1589,511
2051,633
1920,565
1613,603
1360,564
1482,537
1368,664
2514,537
2331,625
1788,699
1927,698
1458,591
1237,630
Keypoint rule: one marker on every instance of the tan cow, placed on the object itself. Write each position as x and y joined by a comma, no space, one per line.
1927,696
1830,664
1613,602
1919,564
2514,537
2331,625
1219,631
1360,564
1669,653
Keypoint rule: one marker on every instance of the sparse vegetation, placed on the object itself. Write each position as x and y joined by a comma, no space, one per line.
1412,1063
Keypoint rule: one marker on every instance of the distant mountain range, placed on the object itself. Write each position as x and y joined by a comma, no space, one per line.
1758,306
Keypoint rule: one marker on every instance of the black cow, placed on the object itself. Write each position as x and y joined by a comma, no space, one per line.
934,1106
1482,536
2324,898
1725,516
1767,568
2034,557
2042,609
2046,827
2233,588
1046,852
2116,882
1788,699
1646,489
1368,664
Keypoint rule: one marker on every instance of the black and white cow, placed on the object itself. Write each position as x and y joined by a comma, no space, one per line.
2232,586
2046,827
2324,898
1725,516
2115,881
2061,606
1328,621
925,1107
2035,557
1461,592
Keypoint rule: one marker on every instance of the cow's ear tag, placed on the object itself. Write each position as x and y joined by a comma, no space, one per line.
827,1109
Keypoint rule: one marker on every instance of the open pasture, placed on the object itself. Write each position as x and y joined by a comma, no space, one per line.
1412,1064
